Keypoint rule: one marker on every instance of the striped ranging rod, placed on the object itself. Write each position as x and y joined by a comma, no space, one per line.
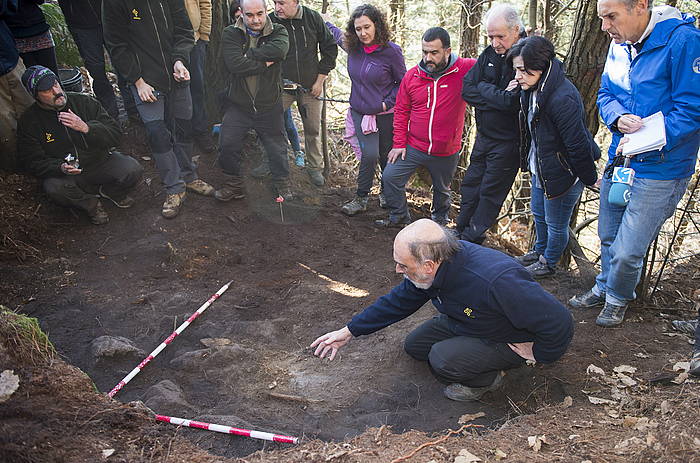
228,429
168,340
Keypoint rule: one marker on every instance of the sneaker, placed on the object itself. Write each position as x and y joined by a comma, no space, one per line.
354,207
388,223
200,187
172,204
299,158
540,269
382,201
685,326
232,189
528,259
611,315
587,300
98,215
462,393
695,363
316,177
262,171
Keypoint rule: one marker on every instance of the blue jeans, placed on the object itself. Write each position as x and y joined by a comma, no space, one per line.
552,218
626,233
198,55
292,133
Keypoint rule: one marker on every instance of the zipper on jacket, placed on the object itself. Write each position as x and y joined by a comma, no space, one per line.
296,48
162,10
160,45
434,104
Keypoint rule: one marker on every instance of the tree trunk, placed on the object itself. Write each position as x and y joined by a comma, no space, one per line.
215,71
586,58
532,16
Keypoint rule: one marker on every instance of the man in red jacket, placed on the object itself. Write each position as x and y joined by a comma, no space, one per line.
428,123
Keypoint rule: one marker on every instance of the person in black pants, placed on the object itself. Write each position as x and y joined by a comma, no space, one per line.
492,315
491,89
84,20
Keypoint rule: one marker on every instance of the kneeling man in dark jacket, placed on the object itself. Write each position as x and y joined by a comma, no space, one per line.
493,316
65,140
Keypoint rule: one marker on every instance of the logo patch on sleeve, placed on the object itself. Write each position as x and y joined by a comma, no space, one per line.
469,312
49,137
696,65
135,14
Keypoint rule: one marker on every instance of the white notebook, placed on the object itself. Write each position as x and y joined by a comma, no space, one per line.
651,137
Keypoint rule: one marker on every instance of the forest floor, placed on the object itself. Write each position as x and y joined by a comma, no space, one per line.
141,276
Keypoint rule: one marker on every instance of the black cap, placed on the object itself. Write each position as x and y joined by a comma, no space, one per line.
38,78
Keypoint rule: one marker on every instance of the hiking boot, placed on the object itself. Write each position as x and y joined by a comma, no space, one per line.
200,187
98,215
172,204
388,223
232,189
316,177
462,393
528,259
300,158
354,207
262,171
685,326
587,300
540,269
382,201
611,315
695,363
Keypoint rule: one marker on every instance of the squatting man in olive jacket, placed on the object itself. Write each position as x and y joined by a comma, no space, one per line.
65,140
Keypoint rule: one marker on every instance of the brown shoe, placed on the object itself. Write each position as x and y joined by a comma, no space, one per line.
232,189
172,204
200,187
98,215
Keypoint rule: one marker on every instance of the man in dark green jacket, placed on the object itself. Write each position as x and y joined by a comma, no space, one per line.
308,36
150,43
65,140
253,49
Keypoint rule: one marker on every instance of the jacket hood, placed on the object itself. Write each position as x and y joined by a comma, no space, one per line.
450,63
659,14
663,27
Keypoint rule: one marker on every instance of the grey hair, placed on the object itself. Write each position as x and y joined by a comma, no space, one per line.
438,250
629,4
507,12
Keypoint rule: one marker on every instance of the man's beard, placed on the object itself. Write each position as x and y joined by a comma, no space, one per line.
436,67
55,106
419,285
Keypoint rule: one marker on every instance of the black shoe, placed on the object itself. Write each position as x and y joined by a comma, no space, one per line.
695,363
232,189
388,223
540,269
528,259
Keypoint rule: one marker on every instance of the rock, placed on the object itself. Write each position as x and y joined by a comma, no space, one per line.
9,383
166,397
215,342
110,346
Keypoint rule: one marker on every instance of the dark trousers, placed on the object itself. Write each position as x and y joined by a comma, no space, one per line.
45,57
269,126
115,177
473,362
200,122
90,44
375,147
493,166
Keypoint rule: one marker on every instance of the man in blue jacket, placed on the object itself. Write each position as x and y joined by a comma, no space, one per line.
493,316
653,65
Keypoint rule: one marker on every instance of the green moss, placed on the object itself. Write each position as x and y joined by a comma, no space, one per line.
24,338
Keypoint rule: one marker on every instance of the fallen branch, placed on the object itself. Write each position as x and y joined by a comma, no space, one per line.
294,398
435,442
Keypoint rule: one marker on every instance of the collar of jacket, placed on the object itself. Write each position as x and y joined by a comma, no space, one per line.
663,29
267,28
550,80
452,67
443,271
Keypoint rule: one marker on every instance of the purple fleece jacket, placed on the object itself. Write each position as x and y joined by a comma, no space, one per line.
375,76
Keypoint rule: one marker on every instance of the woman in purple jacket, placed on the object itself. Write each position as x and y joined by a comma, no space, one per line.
376,67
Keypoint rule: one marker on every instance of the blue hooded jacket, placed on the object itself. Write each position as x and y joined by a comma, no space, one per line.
664,76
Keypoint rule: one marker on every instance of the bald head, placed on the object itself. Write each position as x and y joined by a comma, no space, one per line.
252,4
254,13
426,240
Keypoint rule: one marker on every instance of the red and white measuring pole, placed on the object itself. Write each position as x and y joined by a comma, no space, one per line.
228,429
167,341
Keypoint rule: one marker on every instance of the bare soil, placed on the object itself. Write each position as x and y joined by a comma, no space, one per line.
141,276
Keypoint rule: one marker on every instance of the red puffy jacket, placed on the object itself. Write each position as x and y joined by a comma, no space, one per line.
429,113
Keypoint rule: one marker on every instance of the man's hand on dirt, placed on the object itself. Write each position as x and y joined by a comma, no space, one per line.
331,342
73,121
69,169
629,123
181,73
523,349
145,91
395,153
